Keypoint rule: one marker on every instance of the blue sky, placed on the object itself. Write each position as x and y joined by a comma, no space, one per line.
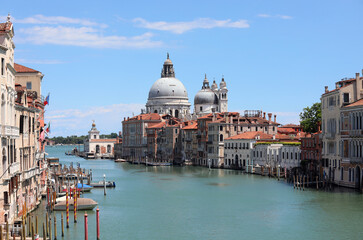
100,58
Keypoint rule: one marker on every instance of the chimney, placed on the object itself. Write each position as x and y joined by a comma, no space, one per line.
275,118
269,117
326,89
264,115
358,86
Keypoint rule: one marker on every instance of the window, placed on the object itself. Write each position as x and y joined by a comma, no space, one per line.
21,124
2,66
221,138
221,128
345,97
29,85
201,108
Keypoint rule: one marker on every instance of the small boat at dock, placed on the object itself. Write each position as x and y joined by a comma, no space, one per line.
100,184
120,160
82,204
84,188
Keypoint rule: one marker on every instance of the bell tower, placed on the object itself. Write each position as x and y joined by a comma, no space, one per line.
223,96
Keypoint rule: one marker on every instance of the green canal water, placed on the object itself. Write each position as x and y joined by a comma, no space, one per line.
195,203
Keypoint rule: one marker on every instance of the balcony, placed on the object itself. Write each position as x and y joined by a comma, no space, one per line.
14,168
9,131
355,133
356,160
30,173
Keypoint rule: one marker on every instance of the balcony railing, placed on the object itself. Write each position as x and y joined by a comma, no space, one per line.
9,131
30,173
14,168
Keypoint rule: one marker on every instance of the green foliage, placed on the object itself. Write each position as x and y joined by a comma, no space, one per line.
78,139
69,140
310,118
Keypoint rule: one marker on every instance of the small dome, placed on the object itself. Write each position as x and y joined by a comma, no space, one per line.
168,87
222,84
214,85
168,62
205,96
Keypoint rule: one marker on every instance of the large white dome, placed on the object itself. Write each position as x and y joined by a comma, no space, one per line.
169,87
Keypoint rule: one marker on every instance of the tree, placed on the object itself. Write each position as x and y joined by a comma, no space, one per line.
310,118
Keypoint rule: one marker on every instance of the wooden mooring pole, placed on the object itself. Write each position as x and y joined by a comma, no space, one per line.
85,226
98,223
62,224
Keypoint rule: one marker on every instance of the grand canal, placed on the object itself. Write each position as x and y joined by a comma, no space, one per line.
195,203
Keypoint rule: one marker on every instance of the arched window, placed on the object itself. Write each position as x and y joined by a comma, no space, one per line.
221,138
97,148
155,111
177,113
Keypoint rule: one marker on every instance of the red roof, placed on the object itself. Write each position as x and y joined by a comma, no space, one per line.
157,125
291,125
22,69
192,126
251,135
356,103
147,116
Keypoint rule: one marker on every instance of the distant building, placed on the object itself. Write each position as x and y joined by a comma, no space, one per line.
102,148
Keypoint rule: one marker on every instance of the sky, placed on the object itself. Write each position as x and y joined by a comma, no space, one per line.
100,58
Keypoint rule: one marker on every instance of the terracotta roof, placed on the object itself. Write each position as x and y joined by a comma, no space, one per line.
103,140
146,116
22,69
356,103
157,125
291,125
340,87
192,126
251,135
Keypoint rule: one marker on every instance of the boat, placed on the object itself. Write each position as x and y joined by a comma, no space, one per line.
159,164
82,204
101,184
120,160
85,188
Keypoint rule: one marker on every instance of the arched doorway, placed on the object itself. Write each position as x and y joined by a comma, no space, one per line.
236,161
97,148
108,148
357,177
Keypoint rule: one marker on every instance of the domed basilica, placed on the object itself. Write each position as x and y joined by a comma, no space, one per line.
169,96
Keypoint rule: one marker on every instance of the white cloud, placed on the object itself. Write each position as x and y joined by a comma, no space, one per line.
78,121
263,15
182,27
84,37
55,20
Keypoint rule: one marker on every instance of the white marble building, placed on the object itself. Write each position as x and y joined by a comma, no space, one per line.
211,99
168,94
